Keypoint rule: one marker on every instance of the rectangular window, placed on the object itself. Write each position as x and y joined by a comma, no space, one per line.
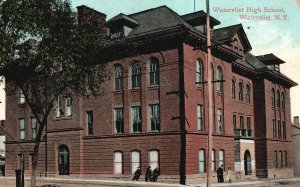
248,123
153,155
22,129
154,72
241,122
274,129
200,123
285,159
213,164
89,121
280,159
136,119
221,158
119,121
118,159
135,161
69,106
155,121
275,159
33,128
234,121
279,129
220,121
58,107
284,130
201,161
22,97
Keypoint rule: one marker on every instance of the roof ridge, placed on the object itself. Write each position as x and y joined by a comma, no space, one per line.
239,24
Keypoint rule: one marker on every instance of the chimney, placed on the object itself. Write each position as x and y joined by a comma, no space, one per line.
296,121
87,15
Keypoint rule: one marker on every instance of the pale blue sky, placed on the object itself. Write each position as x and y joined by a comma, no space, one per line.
279,37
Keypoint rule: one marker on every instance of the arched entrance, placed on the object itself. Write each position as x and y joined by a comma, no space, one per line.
247,163
63,160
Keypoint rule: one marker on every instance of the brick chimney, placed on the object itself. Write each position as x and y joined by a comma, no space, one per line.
296,121
88,15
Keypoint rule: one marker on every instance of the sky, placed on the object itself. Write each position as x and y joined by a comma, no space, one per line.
280,37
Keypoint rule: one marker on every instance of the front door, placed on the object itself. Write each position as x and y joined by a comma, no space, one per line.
247,163
63,160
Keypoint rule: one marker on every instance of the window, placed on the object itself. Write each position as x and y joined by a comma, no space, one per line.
279,129
154,72
276,67
22,128
155,121
233,88
248,94
285,159
135,75
63,160
212,77
282,101
135,161
221,158
220,121
136,119
284,130
280,159
200,123
273,97
213,164
89,118
275,159
240,91
201,161
248,123
274,129
119,121
69,106
118,159
278,99
241,122
199,73
219,79
153,159
22,97
58,107
234,121
33,128
118,78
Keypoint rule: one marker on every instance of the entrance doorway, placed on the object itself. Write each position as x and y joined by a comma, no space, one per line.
247,163
63,160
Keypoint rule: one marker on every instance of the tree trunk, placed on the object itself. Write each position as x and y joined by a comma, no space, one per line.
34,162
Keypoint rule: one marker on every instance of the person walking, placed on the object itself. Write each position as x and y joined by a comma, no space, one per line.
148,174
220,174
156,173
228,176
137,174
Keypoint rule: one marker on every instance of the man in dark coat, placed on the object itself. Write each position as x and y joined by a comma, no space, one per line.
148,174
220,174
137,174
156,173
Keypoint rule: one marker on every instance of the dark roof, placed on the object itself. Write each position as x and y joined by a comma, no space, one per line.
253,62
269,59
199,17
122,18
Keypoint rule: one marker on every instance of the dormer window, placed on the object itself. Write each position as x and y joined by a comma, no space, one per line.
276,67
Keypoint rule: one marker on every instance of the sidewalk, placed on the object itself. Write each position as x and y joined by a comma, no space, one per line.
80,182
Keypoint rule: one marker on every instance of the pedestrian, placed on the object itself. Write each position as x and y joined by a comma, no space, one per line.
137,174
156,173
148,174
220,174
228,176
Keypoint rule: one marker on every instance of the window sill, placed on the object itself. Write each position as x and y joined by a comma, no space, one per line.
199,87
153,87
118,91
135,89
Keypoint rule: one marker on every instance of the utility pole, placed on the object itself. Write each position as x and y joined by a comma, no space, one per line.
210,92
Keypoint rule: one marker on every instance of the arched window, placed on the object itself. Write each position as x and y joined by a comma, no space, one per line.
278,99
240,91
280,159
118,162
282,101
201,160
63,160
219,79
135,75
248,91
233,88
273,97
154,72
153,159
135,160
199,72
275,159
118,77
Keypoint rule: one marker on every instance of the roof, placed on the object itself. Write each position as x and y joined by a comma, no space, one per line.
269,59
122,17
195,18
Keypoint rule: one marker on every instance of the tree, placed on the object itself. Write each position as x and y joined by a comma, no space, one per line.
45,52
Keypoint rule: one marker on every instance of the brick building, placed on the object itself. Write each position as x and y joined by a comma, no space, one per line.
296,149
154,109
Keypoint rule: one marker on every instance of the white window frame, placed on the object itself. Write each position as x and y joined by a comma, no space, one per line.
136,117
199,73
200,121
68,106
118,162
154,72
119,120
153,159
135,75
22,98
155,118
135,160
201,160
33,128
22,128
220,121
118,78
221,158
213,160
58,112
